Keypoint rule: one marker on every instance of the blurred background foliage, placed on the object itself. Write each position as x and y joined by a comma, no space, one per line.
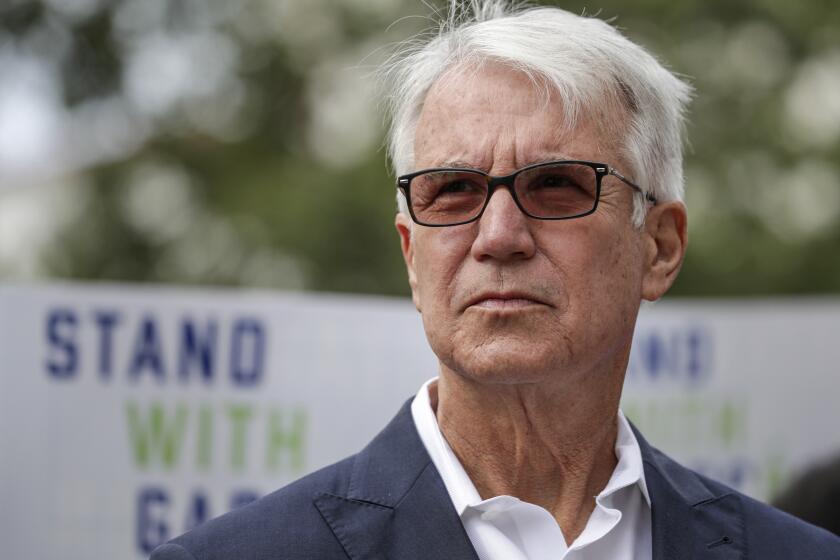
240,143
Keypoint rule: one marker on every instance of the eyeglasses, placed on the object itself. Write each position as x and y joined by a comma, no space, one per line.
557,190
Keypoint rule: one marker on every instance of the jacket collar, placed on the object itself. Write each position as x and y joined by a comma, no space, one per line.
690,517
396,505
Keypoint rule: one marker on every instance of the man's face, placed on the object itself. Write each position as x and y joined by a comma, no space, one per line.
511,299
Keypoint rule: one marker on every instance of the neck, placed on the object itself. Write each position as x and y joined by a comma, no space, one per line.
543,444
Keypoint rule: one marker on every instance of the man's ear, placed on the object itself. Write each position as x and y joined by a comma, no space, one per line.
666,239
404,224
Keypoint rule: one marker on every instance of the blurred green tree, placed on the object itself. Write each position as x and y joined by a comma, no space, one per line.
239,143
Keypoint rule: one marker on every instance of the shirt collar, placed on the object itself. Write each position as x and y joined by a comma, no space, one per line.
629,469
461,490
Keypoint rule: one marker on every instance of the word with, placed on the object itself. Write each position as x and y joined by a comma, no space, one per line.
167,436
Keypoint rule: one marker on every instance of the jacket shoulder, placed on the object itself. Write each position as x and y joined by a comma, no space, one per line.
768,533
775,534
283,524
772,533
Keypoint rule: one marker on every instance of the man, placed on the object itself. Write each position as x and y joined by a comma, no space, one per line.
540,183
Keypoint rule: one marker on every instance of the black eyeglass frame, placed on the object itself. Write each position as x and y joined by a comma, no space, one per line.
601,171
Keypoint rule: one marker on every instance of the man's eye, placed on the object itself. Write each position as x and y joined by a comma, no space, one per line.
554,181
456,187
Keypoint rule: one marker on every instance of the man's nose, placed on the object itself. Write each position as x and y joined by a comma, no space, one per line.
504,231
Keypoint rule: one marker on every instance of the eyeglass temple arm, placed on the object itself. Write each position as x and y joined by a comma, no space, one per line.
631,184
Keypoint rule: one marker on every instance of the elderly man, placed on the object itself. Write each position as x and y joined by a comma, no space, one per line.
540,183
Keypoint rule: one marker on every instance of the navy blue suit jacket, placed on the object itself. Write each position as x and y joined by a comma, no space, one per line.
388,501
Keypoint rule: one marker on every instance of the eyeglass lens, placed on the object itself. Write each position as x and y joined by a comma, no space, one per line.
548,191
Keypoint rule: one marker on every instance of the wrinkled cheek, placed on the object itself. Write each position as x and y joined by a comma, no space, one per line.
435,277
618,292
603,285
435,301
440,332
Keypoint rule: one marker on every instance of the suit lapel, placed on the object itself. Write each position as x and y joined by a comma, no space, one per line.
396,505
690,520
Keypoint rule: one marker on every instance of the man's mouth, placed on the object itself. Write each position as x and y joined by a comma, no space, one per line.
505,301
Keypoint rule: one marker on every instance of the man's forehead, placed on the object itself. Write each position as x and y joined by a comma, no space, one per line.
487,147
496,115
488,83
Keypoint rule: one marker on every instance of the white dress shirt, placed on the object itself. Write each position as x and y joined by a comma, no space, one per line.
506,528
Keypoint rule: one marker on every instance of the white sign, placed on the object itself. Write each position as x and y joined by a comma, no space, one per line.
130,414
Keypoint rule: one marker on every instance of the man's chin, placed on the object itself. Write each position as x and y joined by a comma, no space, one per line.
507,366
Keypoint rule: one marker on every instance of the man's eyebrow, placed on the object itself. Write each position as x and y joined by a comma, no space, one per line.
461,164
550,159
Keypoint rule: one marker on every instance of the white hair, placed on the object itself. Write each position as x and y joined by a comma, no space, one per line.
586,62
